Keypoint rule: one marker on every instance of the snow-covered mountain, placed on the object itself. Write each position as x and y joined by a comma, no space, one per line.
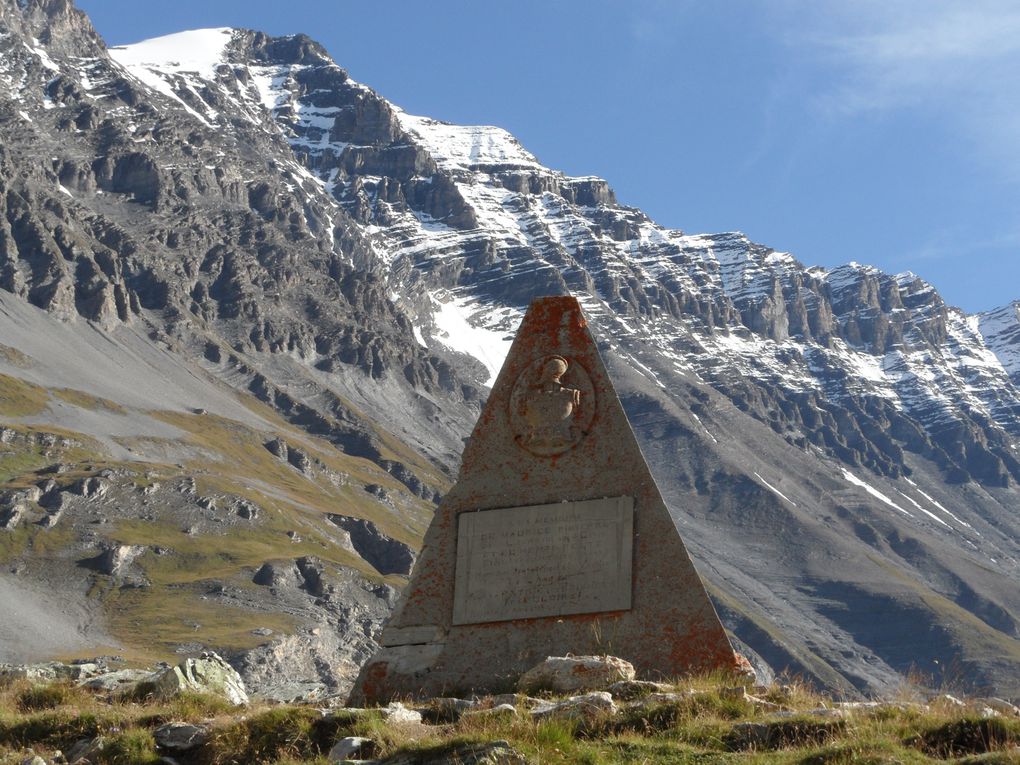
839,447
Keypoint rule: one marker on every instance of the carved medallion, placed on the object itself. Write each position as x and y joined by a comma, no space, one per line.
551,406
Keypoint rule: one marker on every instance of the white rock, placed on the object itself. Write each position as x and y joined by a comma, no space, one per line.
350,748
564,674
395,712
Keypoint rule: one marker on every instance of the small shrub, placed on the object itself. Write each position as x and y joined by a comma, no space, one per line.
782,734
968,736
58,729
135,746
39,697
197,706
268,736
555,734
668,716
858,753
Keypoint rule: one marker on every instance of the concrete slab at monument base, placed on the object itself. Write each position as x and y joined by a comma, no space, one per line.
555,540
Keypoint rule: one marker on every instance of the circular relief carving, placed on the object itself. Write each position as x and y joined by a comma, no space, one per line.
551,406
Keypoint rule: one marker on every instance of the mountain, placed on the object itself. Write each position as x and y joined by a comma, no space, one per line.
250,308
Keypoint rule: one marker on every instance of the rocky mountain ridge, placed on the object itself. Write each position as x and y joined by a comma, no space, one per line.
834,444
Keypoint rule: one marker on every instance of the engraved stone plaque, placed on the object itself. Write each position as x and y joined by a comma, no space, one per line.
544,560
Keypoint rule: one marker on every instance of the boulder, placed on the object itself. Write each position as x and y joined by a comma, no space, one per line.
121,681
589,705
744,670
180,736
49,671
395,712
566,674
207,674
84,751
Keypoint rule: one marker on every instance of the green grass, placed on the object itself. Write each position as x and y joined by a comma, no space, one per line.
24,455
19,398
29,537
700,729
243,465
84,400
153,623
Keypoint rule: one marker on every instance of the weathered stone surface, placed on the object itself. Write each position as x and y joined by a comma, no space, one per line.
293,693
208,674
566,674
119,681
552,430
385,554
628,690
180,736
395,712
547,560
53,670
351,748
587,705
499,710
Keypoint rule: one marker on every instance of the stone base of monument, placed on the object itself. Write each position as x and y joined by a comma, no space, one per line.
555,540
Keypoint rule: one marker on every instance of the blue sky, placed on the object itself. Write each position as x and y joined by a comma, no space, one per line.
882,132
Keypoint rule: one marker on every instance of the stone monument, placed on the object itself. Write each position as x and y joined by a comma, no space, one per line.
554,540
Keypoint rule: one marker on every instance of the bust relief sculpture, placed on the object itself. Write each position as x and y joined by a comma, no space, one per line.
551,406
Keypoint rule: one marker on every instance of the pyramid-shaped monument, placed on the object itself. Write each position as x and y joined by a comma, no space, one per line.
554,540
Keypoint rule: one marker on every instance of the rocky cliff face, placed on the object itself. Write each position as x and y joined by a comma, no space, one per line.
839,448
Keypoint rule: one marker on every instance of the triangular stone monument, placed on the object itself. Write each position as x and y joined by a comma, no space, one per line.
554,540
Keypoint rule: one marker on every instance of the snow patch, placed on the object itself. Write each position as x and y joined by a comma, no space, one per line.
200,51
461,328
774,490
460,147
197,52
931,515
873,491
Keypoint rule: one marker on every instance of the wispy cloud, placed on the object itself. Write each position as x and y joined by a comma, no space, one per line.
957,61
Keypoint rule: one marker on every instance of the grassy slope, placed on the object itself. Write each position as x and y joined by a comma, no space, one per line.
228,458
